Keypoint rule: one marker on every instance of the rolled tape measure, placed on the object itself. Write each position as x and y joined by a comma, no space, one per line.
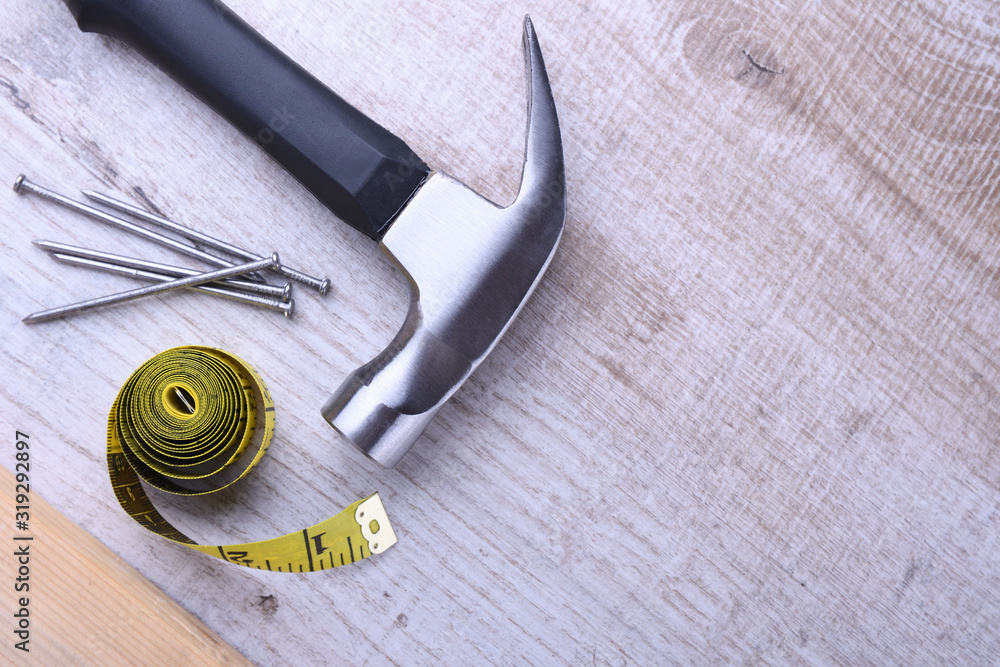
194,420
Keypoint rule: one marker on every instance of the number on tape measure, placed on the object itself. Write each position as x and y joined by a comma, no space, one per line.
194,420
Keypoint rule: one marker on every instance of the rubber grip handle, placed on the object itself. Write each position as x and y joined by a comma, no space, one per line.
357,168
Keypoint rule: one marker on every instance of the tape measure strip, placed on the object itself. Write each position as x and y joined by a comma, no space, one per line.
189,422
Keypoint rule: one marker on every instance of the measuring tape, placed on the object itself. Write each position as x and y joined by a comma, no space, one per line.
194,420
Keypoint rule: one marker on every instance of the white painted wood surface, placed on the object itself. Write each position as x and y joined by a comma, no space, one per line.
752,414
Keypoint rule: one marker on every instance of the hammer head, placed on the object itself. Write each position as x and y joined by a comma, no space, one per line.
471,266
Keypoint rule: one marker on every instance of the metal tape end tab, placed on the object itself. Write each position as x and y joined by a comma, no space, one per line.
374,523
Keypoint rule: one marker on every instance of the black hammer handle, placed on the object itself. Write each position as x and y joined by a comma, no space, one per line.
360,170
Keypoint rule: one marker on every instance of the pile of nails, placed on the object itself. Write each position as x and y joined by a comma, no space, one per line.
240,281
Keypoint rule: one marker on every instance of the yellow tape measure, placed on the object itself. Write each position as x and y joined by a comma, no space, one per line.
193,420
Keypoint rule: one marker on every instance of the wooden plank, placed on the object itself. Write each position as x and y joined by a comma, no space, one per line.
750,415
85,605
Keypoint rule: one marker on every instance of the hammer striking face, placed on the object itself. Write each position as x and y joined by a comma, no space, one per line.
471,264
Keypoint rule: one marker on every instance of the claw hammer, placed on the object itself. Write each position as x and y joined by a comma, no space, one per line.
471,264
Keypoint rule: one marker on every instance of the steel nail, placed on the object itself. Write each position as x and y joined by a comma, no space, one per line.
150,276
128,295
22,185
282,292
322,286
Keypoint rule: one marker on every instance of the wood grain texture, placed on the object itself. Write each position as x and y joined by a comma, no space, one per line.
86,605
750,415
